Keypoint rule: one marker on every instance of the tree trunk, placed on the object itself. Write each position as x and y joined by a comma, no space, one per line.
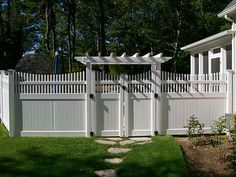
53,29
102,36
47,33
69,38
73,18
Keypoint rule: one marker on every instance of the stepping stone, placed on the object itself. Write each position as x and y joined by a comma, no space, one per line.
115,139
106,142
145,142
125,142
141,139
114,161
106,173
119,150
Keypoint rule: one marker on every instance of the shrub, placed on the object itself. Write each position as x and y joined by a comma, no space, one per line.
219,126
195,128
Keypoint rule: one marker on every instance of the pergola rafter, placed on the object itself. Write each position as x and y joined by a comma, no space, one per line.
148,59
124,59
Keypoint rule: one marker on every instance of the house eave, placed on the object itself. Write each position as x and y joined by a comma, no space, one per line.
210,42
227,11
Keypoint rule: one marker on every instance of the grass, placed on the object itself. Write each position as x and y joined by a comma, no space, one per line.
3,131
163,158
75,157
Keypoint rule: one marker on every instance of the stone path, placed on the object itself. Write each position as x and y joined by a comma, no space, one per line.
106,142
144,142
106,173
141,139
114,161
125,142
119,150
114,139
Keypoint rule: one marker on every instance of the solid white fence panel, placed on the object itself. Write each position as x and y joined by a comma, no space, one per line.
202,95
5,99
52,105
178,107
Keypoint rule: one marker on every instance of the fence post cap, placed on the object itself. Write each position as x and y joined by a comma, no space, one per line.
230,71
10,70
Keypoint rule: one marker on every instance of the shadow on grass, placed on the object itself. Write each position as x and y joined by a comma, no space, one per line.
160,168
36,163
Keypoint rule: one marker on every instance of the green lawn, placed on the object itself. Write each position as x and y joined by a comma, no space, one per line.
3,132
72,157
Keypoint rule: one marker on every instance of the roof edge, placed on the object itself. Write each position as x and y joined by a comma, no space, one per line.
208,39
227,11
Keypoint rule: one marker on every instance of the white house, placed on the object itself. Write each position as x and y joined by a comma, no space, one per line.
217,53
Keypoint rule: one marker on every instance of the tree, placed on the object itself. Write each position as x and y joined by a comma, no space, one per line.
104,26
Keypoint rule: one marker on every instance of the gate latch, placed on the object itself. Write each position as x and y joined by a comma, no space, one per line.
91,96
156,95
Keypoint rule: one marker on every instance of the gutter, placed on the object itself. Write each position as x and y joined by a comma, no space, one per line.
227,11
208,39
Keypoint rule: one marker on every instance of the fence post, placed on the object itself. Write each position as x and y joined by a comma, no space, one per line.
156,122
1,96
93,103
121,105
126,100
88,99
229,106
12,114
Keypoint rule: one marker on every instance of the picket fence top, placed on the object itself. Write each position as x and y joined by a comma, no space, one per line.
147,59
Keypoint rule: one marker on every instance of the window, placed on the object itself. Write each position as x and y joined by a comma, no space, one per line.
229,57
205,62
196,64
215,65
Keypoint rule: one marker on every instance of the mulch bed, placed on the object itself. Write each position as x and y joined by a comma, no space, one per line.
204,160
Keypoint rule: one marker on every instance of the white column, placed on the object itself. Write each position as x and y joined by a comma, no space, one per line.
229,104
200,71
233,48
88,99
192,64
209,61
234,64
223,58
201,63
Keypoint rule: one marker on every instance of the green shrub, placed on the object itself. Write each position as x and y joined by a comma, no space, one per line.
219,126
195,128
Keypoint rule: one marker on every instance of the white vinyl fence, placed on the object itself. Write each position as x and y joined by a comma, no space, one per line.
184,95
4,99
110,105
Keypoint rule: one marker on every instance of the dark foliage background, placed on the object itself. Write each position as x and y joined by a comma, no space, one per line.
92,26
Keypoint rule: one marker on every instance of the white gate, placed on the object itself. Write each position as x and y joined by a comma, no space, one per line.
123,104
